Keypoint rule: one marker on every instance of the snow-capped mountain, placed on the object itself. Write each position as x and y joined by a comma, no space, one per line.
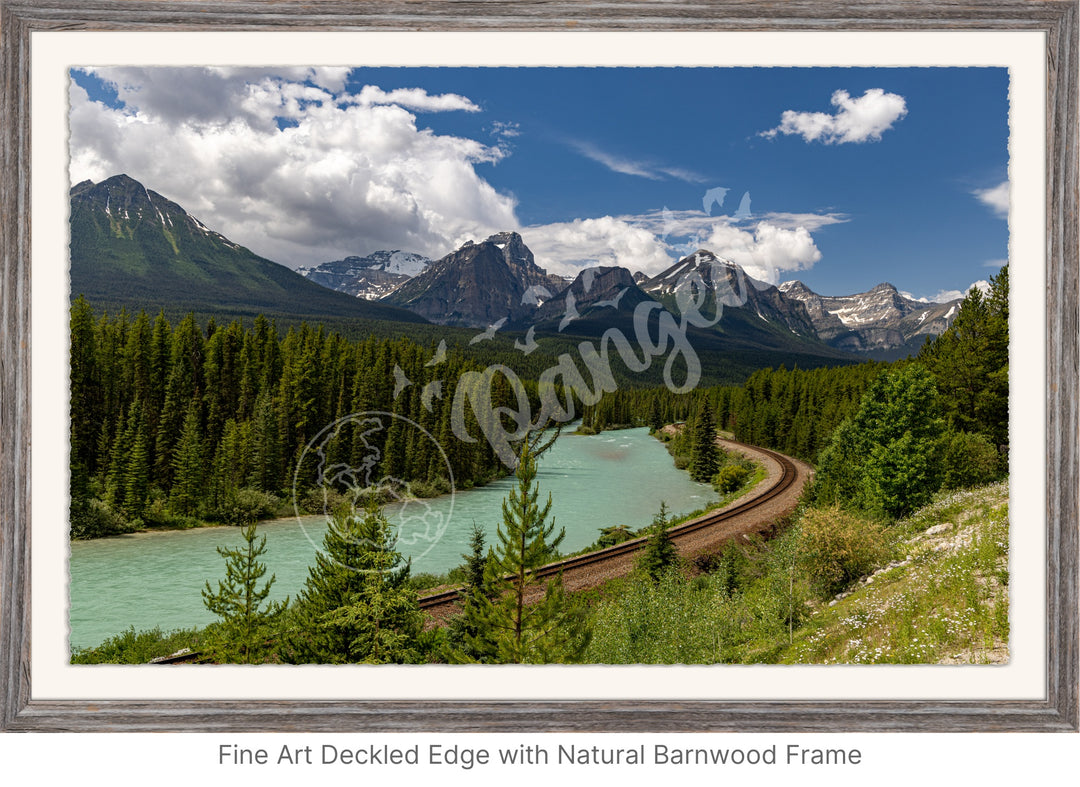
372,277
479,284
880,322
599,294
723,281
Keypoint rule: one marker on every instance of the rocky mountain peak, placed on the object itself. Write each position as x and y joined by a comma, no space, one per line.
371,277
879,322
794,287
124,200
479,283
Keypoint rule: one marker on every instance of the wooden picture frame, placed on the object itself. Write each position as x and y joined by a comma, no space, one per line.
1057,711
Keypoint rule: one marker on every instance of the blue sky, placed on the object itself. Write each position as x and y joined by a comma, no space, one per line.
846,177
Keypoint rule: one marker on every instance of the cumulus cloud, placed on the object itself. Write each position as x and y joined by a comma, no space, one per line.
286,166
766,247
565,248
995,198
862,119
766,251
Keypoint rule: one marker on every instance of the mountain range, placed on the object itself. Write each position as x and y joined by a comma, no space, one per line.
881,322
133,247
498,281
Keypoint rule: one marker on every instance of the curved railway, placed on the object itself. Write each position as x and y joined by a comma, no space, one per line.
588,570
754,514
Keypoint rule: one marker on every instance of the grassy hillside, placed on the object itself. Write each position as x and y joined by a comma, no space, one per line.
832,588
943,599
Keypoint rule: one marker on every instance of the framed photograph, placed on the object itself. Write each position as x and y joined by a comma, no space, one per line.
342,269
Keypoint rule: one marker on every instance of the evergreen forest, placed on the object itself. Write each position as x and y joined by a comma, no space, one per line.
174,423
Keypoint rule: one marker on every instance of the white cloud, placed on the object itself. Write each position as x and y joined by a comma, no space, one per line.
996,198
944,296
862,119
342,176
811,222
765,252
649,242
637,168
505,129
567,247
695,223
413,98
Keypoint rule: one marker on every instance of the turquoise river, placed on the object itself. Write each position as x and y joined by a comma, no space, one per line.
149,580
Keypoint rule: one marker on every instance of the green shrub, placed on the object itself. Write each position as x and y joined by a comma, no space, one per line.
158,514
730,478
970,460
610,536
94,519
836,547
440,486
137,647
425,581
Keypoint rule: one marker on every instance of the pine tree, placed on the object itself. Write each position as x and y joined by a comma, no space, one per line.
656,419
189,465
183,386
659,554
704,452
136,480
245,623
469,641
970,362
551,629
357,606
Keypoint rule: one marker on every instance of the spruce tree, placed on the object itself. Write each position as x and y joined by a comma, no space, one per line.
245,623
137,473
656,419
886,459
704,452
550,629
467,639
357,606
659,554
189,466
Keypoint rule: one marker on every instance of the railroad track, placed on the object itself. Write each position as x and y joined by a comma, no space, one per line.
680,533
